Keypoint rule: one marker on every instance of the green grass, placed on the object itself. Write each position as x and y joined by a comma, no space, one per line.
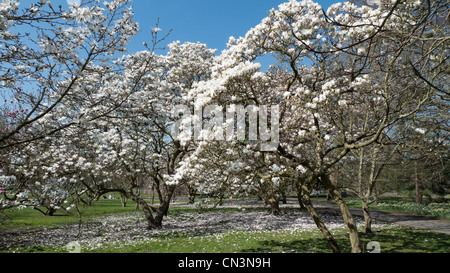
231,241
430,209
32,218
393,240
405,205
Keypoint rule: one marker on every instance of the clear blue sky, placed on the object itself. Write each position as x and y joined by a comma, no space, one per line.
207,21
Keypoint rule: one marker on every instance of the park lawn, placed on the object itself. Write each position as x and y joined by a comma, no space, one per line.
405,205
398,240
392,240
30,217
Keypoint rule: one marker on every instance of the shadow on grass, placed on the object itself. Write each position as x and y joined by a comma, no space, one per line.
408,240
399,240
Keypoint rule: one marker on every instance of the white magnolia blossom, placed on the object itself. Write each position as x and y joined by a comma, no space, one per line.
6,7
100,119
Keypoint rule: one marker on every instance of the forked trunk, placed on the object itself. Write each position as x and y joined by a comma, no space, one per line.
346,215
152,223
326,233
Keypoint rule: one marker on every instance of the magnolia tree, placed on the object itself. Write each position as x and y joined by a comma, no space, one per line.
76,112
133,144
347,75
47,54
37,179
140,143
231,169
56,71
80,119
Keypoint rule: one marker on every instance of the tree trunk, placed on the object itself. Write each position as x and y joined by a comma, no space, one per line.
346,215
365,196
419,184
50,212
152,223
153,214
306,201
299,197
367,217
274,204
283,197
220,202
262,198
373,176
153,193
375,195
163,209
192,193
123,200
360,172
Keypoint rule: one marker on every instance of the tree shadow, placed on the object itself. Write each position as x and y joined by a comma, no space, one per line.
311,245
409,240
401,240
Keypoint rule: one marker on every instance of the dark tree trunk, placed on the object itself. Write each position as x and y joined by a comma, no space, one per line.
346,214
152,223
155,222
192,193
306,201
283,197
274,205
419,184
50,212
367,217
300,198
123,200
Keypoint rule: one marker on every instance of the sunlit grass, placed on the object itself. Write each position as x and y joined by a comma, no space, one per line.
32,218
392,238
398,204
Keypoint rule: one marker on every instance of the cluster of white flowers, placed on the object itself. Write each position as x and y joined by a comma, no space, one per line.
102,121
4,180
6,7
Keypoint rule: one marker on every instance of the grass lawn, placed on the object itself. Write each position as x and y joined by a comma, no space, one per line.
398,240
392,239
31,218
406,205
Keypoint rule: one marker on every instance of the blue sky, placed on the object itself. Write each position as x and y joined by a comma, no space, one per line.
207,21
